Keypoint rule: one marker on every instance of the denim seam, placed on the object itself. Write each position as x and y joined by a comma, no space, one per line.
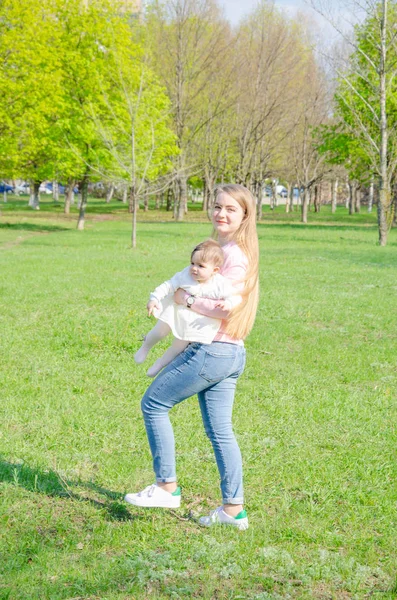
215,438
223,461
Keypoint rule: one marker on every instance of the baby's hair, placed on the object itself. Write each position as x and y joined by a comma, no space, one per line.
210,252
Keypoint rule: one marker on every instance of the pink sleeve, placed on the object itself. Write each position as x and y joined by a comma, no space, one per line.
206,307
234,269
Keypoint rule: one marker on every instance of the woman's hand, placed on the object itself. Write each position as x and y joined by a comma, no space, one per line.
179,296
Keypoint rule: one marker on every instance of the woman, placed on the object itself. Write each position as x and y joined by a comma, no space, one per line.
209,370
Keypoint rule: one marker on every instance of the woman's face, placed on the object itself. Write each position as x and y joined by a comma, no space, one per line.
227,216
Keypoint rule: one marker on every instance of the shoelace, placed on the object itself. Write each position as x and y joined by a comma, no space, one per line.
214,513
148,491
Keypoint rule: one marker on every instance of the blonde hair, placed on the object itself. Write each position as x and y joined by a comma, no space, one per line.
242,318
210,252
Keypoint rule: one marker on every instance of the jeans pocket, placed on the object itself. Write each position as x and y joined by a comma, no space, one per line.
218,366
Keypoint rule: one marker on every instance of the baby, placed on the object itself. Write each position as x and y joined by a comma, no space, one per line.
201,278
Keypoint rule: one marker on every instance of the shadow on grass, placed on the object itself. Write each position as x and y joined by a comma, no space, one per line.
52,484
32,227
317,226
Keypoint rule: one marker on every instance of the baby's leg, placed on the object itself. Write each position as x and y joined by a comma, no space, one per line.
176,348
159,332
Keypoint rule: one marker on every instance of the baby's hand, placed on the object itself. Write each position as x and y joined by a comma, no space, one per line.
151,305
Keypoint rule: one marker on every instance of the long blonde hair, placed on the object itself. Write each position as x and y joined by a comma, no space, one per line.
242,318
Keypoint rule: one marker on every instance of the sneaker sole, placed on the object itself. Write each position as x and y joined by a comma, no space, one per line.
240,524
138,502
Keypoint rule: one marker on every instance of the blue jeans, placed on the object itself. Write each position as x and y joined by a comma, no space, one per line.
210,371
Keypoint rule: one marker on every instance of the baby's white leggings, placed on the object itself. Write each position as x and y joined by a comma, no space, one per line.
155,335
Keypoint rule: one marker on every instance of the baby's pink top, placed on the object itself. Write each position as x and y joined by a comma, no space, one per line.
234,268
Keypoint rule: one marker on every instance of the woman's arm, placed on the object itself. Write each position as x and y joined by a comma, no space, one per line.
208,307
202,306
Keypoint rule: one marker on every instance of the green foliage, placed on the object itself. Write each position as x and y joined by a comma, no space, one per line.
59,67
138,131
341,148
30,89
355,140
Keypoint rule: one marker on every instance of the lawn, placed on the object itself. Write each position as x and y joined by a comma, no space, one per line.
315,415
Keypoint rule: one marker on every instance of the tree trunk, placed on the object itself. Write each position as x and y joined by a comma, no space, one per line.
181,199
35,195
169,199
210,179
357,204
5,196
288,203
305,204
157,202
382,223
185,196
83,203
371,195
109,192
125,194
274,196
205,194
316,199
69,196
176,200
259,195
146,203
384,203
347,198
134,204
334,193
55,191
32,196
352,197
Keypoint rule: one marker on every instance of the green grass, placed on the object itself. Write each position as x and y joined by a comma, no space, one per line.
315,416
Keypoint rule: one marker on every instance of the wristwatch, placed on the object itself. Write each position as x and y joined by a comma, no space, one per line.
190,301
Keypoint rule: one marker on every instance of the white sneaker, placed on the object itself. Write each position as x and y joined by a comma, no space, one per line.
218,516
155,497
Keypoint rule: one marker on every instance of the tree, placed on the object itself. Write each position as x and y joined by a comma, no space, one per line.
137,134
31,92
366,99
268,46
307,163
187,39
87,63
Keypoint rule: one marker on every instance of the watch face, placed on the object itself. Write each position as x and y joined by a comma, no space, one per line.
190,301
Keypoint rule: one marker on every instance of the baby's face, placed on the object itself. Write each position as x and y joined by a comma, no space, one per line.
201,271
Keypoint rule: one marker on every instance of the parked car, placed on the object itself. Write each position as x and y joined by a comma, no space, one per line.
280,191
22,188
61,188
4,187
44,189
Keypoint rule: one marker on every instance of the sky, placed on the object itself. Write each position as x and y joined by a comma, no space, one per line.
235,9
